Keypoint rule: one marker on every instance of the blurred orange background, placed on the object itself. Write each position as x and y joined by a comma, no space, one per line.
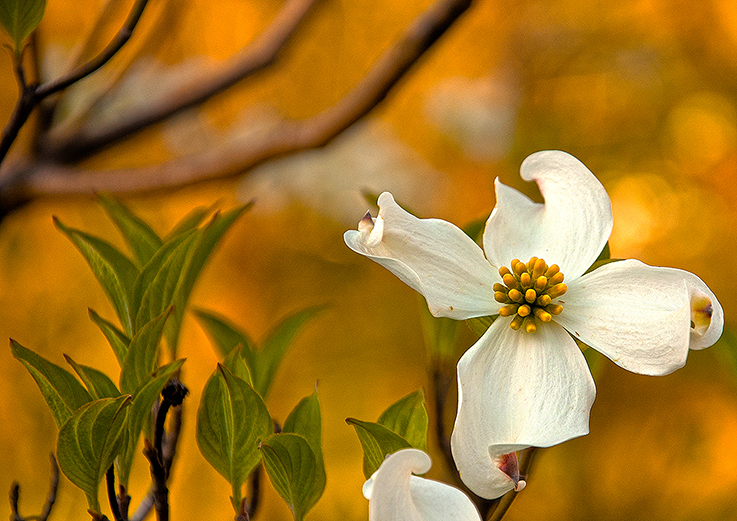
644,92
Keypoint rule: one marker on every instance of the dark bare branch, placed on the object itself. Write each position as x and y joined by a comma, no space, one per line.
232,158
264,51
53,488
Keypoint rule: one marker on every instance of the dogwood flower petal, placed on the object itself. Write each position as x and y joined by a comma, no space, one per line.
569,230
432,256
517,390
394,494
644,318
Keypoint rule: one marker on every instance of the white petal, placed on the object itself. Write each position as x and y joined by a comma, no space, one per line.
517,389
640,316
569,230
396,495
432,256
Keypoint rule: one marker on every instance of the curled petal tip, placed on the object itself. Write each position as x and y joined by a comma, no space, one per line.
371,231
521,484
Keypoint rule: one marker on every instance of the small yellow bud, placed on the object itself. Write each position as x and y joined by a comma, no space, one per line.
508,311
541,283
530,295
557,290
516,322
524,310
516,295
525,280
501,297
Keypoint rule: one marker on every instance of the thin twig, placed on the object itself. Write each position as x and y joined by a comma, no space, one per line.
235,157
112,499
120,39
441,385
53,488
262,53
32,95
252,505
14,500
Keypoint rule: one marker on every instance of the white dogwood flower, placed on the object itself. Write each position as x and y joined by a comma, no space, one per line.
394,494
525,382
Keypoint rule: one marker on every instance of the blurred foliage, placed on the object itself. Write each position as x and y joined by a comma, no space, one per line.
642,91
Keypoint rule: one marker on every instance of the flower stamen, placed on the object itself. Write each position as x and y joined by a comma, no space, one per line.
528,292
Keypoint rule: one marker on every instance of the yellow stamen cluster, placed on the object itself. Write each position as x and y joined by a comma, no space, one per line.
528,291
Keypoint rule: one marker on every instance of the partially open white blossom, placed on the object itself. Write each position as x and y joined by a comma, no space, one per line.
525,382
395,494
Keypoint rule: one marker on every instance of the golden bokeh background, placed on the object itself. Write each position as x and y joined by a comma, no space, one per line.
642,91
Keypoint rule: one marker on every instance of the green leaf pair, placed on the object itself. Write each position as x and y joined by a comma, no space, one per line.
293,459
403,425
261,363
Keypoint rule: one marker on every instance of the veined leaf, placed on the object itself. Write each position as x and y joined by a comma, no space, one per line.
118,340
231,420
155,284
61,390
140,415
408,418
479,325
306,420
440,334
208,238
275,346
264,362
139,236
377,442
140,361
291,466
224,335
237,365
98,383
115,272
20,18
89,441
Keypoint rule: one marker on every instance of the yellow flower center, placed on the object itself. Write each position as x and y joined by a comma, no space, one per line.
528,292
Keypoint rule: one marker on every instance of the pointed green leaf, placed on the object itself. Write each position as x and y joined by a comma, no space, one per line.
237,365
306,420
140,360
139,236
209,237
20,18
291,466
377,442
275,346
479,325
98,383
231,420
224,335
113,270
118,340
140,415
61,390
89,441
155,284
408,418
190,221
158,294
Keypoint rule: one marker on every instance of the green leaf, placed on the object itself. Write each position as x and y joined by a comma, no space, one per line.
231,420
408,418
377,442
61,390
207,240
306,420
140,415
155,284
89,441
237,365
20,18
118,340
479,325
290,464
140,361
267,359
113,270
262,363
190,221
603,258
475,229
139,236
224,335
98,383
